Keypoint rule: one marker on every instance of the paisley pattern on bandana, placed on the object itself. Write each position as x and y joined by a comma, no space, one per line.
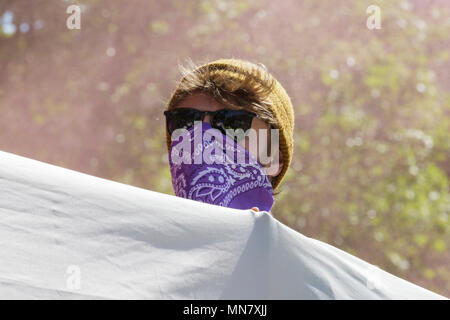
229,183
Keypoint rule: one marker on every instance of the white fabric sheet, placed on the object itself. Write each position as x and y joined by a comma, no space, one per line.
68,235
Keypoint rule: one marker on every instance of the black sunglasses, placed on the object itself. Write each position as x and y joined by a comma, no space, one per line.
223,120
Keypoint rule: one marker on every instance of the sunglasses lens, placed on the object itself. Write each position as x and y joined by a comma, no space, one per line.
181,119
228,121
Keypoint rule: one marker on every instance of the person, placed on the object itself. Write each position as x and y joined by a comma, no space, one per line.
223,95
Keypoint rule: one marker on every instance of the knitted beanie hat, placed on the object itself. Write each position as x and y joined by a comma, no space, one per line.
279,104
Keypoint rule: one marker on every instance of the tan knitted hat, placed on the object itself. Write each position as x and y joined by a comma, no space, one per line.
278,100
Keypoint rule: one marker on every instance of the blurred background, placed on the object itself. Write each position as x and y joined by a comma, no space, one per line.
371,167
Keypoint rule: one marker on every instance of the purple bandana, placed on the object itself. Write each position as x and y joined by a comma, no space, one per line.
211,167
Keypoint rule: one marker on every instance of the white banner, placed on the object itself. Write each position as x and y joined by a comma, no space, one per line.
68,235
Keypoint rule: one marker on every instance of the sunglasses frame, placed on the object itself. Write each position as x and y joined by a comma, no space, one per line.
200,116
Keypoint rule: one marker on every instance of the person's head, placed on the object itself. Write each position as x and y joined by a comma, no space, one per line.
239,84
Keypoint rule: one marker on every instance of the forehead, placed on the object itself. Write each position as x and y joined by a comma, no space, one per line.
200,102
258,124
